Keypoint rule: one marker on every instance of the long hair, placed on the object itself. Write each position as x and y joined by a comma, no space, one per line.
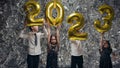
109,45
30,28
55,38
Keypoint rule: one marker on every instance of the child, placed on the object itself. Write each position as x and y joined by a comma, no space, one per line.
34,45
76,54
53,48
105,51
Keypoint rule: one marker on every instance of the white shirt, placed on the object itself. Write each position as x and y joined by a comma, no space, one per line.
32,48
76,48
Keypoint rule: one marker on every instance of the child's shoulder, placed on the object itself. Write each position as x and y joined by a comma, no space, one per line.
31,33
39,33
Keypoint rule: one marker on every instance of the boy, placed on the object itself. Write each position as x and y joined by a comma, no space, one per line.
76,54
34,45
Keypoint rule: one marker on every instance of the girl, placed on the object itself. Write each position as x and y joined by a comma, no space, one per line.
53,48
105,51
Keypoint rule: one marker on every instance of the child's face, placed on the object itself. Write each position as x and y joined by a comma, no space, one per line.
105,43
34,28
53,40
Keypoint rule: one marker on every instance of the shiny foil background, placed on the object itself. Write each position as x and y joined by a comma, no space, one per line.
13,50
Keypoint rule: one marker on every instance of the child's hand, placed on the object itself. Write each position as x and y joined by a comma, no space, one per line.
58,27
44,22
47,23
114,56
102,34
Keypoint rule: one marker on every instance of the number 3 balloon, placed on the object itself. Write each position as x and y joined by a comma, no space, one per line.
107,19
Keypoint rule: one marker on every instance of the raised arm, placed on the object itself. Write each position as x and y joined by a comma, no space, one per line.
58,37
48,41
44,28
101,41
22,33
49,34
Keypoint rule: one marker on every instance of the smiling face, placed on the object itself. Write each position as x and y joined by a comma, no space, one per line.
105,44
53,39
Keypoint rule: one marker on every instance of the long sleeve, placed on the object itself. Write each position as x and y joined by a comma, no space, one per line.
23,35
109,51
45,31
101,42
45,34
106,51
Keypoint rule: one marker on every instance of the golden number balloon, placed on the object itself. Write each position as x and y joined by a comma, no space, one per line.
54,3
107,19
60,13
33,9
73,32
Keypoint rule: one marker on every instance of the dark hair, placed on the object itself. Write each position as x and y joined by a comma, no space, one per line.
109,45
55,38
30,28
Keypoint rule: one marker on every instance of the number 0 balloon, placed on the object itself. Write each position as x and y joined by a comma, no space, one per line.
60,13
107,19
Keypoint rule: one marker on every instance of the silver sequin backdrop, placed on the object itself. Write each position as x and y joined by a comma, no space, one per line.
13,51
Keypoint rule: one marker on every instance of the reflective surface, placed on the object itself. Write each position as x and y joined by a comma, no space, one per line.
13,51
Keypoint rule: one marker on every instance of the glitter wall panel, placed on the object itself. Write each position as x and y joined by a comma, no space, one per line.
13,50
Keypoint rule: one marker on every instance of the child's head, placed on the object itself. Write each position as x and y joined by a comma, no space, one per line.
53,39
34,28
106,44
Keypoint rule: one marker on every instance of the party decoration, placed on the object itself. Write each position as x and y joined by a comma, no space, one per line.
60,13
107,19
33,9
73,32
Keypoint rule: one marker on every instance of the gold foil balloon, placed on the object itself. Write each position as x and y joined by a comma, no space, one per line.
55,3
33,9
107,19
60,13
73,32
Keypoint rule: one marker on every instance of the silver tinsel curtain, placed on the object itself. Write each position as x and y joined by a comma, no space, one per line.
13,50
